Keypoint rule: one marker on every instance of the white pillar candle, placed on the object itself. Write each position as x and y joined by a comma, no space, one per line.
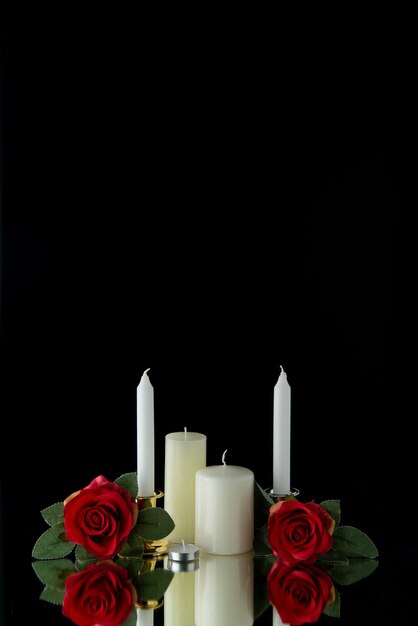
224,509
225,590
185,453
145,436
179,600
281,435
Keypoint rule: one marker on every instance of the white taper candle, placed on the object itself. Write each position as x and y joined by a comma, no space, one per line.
281,435
145,436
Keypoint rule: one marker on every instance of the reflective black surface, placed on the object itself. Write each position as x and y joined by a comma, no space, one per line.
162,214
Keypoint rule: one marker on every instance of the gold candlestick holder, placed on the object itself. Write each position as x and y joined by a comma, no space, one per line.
157,548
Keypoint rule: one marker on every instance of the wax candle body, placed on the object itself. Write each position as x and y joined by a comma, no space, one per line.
281,436
185,453
179,600
224,509
145,436
224,590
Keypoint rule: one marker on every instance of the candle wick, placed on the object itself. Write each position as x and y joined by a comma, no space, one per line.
281,367
147,370
223,457
185,432
184,545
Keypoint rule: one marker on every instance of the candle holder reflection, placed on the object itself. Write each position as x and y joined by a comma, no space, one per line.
149,604
147,566
157,548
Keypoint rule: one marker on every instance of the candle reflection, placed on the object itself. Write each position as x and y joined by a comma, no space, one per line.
145,617
179,599
224,590
276,619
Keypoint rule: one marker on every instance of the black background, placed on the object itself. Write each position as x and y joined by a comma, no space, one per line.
209,207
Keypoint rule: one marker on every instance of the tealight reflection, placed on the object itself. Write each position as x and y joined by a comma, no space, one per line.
224,590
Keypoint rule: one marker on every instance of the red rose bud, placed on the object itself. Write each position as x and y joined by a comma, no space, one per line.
299,592
100,594
299,531
100,517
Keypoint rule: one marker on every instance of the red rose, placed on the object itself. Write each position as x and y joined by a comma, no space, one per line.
100,594
100,517
298,531
300,592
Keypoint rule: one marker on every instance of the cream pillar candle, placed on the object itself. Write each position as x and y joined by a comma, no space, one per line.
225,590
224,509
185,453
281,436
179,600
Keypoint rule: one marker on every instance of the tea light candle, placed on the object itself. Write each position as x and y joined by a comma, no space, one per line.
185,453
183,552
224,509
225,590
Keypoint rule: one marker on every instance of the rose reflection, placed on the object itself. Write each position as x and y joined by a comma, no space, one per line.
299,592
105,593
100,594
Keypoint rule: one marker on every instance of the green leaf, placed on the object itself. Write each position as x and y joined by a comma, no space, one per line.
333,507
52,544
332,556
262,504
129,482
153,585
131,621
80,565
357,569
54,573
263,565
334,609
56,596
154,523
353,543
53,514
261,544
134,546
83,556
